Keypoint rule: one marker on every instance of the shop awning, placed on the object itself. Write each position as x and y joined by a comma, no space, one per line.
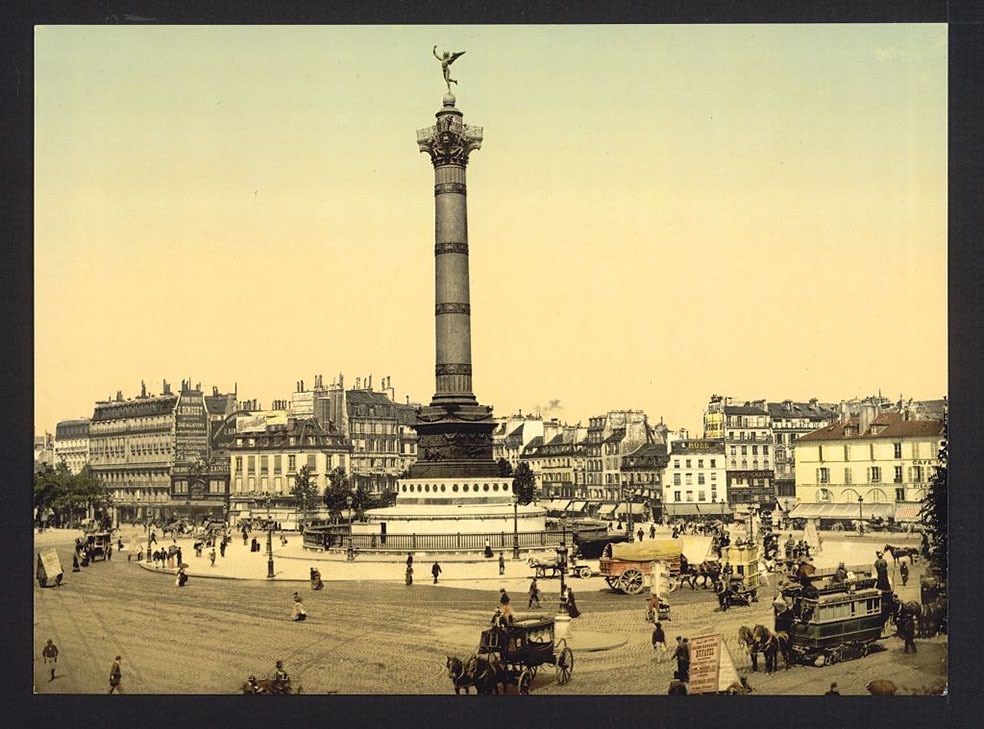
637,509
606,510
841,511
908,512
577,506
713,509
557,504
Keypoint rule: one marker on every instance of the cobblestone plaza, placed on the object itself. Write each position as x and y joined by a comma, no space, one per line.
209,636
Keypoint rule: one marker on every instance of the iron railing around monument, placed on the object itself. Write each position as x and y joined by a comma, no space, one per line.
334,537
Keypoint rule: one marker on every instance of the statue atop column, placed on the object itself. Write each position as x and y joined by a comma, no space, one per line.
446,59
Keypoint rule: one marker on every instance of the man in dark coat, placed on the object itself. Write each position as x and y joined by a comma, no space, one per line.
115,676
904,573
435,570
682,657
881,570
652,531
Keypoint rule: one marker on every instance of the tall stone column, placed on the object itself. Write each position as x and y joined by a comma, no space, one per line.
449,142
455,431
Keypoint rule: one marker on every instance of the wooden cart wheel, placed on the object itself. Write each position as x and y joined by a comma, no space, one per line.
613,583
631,581
584,572
565,665
525,679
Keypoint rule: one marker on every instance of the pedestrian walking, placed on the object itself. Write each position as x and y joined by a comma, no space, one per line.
435,570
178,554
222,547
659,642
409,574
50,656
502,564
182,579
682,657
245,536
640,534
488,549
534,594
904,573
907,629
75,563
109,552
652,531
211,557
571,604
881,570
409,559
116,676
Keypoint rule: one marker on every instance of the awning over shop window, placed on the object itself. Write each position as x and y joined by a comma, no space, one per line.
713,509
908,512
842,511
557,504
637,509
606,510
577,506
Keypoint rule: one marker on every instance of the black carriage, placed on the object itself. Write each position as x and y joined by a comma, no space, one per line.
524,646
831,621
98,544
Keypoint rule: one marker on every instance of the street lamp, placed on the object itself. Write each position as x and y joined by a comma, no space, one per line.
515,554
860,515
350,552
148,542
562,556
269,552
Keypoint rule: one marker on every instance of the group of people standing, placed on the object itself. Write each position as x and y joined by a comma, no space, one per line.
435,569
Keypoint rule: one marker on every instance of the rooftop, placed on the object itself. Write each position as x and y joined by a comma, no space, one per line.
887,425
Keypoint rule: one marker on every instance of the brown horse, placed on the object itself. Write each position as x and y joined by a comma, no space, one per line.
708,570
901,553
486,675
267,686
762,640
458,673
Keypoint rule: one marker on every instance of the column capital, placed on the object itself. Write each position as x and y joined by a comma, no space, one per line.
449,142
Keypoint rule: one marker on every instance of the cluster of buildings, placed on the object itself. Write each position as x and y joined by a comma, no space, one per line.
192,453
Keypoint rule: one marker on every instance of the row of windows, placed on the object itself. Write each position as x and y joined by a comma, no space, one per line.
875,496
426,488
700,461
915,450
690,480
755,450
744,464
874,474
701,495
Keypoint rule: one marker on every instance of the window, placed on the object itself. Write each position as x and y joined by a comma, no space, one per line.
714,476
700,463
312,461
755,450
180,486
690,495
915,450
239,464
291,463
701,496
847,475
676,464
898,474
847,452
820,453
688,463
676,479
690,479
251,464
276,463
875,473
918,473
264,465
765,450
676,495
900,494
898,449
744,450
713,463
823,475
700,479
733,450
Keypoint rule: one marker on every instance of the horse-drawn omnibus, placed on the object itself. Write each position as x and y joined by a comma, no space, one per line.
98,543
521,648
832,621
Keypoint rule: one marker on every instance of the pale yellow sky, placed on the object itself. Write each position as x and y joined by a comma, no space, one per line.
658,213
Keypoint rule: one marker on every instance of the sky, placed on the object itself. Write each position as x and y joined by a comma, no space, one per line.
657,213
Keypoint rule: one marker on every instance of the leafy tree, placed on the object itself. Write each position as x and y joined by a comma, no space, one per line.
338,490
304,490
934,508
523,484
46,487
362,500
505,468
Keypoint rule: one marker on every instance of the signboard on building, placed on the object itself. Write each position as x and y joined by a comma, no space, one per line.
250,423
302,404
190,429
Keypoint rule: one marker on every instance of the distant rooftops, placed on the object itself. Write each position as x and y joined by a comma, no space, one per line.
886,425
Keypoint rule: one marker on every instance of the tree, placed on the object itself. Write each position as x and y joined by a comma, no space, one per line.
46,488
304,490
338,490
523,484
934,505
505,468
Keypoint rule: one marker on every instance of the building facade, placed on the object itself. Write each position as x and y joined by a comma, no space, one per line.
695,473
559,464
642,476
888,460
44,450
72,444
791,420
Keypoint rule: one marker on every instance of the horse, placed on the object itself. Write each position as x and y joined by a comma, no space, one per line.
931,622
707,570
267,686
458,673
541,566
762,640
486,675
901,553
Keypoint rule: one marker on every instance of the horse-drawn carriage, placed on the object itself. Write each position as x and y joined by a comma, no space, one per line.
551,567
97,545
832,621
626,567
516,652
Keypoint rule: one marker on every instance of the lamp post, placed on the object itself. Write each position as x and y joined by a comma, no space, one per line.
515,553
349,553
269,552
148,541
562,556
860,515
